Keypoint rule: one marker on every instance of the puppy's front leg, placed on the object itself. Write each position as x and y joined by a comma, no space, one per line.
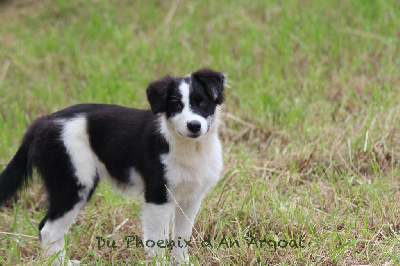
156,219
184,217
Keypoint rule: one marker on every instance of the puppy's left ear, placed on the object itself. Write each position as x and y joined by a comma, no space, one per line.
157,94
213,81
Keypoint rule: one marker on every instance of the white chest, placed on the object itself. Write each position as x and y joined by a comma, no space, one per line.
193,169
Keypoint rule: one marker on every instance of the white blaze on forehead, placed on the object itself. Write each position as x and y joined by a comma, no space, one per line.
184,89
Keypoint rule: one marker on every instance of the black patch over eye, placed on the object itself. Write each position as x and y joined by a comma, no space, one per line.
177,106
203,104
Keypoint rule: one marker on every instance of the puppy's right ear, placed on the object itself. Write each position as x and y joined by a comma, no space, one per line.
157,94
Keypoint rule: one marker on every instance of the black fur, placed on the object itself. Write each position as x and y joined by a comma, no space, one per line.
18,171
200,102
121,137
124,138
50,157
213,82
157,92
174,102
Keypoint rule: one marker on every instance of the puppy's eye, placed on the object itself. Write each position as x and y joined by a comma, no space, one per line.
177,106
202,104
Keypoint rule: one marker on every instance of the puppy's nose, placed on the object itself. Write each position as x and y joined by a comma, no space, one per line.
194,126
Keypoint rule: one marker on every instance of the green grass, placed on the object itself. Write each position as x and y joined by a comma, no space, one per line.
317,81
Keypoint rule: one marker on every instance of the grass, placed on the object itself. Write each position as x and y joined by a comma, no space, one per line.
311,131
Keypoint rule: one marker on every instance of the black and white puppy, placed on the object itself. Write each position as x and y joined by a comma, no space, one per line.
171,152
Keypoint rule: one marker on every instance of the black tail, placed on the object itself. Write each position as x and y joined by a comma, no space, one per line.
18,171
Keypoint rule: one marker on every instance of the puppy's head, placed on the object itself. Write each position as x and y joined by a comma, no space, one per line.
189,103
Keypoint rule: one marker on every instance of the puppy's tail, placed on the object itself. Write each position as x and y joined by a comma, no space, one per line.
18,171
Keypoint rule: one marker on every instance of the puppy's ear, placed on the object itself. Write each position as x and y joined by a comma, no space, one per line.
157,94
213,81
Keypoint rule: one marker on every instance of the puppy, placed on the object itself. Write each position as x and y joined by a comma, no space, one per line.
169,155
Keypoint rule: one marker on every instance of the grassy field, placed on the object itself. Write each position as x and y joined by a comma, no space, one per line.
311,128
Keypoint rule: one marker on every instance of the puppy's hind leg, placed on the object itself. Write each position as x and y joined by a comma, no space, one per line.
69,170
53,230
65,203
